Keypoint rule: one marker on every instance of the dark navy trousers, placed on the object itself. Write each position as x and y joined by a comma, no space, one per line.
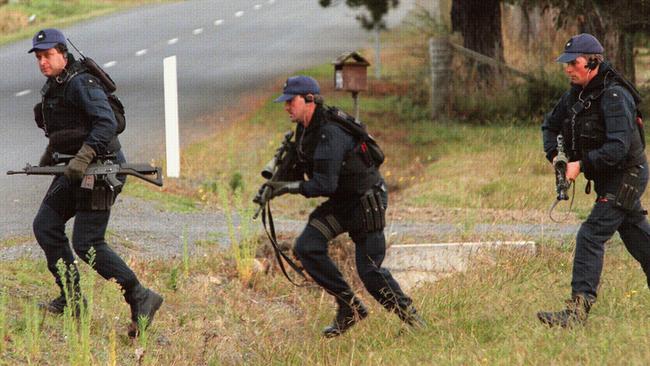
604,220
370,250
59,206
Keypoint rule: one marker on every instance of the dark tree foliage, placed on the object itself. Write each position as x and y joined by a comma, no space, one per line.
377,9
614,23
479,21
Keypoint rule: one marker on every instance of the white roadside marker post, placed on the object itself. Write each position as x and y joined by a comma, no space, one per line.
172,143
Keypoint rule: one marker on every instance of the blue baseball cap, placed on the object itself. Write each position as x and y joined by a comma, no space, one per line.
579,45
46,39
298,85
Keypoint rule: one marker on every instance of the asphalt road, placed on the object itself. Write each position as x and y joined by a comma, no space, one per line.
224,49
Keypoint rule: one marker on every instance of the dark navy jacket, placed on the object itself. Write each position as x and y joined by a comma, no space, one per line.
76,111
613,111
327,156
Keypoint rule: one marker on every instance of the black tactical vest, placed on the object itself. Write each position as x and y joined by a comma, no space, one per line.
66,125
585,128
356,176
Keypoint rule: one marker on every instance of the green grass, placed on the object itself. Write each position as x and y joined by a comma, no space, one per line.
484,316
167,201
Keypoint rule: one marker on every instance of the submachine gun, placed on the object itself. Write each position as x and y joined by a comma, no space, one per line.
101,170
561,183
279,168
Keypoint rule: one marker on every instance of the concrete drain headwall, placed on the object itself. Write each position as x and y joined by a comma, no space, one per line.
412,264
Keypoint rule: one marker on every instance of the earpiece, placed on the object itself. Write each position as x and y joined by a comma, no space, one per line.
592,63
309,98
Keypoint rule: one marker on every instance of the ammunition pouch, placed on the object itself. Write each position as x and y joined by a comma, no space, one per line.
592,133
100,198
630,189
373,211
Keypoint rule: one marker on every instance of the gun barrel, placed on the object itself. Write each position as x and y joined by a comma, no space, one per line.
269,168
39,170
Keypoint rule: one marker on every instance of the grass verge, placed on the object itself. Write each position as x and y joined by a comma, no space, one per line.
212,317
23,18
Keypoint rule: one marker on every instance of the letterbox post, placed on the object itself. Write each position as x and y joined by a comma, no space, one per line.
351,74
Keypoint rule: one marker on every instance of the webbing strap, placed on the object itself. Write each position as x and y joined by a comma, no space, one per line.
566,216
279,254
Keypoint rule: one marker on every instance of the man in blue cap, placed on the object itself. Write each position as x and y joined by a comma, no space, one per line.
339,167
78,120
603,139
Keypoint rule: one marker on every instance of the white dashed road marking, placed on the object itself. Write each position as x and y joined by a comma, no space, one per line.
109,64
172,41
141,52
271,1
239,13
197,31
23,92
218,22
257,6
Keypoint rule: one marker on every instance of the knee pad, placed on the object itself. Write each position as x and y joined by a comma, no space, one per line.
328,226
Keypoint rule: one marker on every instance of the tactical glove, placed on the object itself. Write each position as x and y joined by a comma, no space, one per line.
46,158
76,168
280,188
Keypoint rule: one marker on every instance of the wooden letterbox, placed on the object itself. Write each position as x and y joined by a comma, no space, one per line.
350,72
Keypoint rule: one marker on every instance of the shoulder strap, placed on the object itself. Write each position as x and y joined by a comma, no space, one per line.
279,254
351,125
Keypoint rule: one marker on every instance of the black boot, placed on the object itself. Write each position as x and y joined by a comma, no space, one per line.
575,313
410,316
57,306
349,312
144,303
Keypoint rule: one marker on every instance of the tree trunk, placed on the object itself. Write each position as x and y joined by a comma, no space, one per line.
479,21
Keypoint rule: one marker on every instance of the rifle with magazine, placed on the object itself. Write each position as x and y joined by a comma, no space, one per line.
102,170
561,183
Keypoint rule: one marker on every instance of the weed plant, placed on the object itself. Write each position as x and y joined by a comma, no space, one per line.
3,319
77,315
32,331
242,237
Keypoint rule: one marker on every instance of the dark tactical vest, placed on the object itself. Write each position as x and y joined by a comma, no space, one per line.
65,124
356,176
585,128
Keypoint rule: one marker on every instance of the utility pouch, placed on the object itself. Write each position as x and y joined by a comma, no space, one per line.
630,190
374,214
592,133
102,198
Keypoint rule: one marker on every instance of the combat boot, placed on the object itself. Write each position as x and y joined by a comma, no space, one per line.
575,313
144,303
57,306
410,316
348,314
